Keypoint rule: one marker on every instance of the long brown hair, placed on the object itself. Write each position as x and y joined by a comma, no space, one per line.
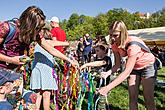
31,22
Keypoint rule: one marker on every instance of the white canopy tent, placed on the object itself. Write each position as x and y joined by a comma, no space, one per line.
151,36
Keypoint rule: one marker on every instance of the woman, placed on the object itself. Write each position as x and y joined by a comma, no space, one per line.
28,29
80,48
139,67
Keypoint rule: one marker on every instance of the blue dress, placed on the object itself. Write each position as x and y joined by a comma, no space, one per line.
42,77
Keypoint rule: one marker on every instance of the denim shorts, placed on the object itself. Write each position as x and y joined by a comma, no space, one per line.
147,72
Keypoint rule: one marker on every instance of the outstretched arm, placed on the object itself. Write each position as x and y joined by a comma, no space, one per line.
57,43
129,67
93,64
55,52
114,68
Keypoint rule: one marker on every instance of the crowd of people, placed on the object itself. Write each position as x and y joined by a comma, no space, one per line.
51,41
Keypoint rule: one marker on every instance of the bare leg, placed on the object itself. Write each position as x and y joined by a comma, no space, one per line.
148,92
133,88
38,102
46,100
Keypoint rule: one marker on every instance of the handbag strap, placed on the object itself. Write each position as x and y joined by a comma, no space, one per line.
139,44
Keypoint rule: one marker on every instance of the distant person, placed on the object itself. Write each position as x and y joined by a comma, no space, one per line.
100,39
155,49
57,33
87,48
161,55
80,48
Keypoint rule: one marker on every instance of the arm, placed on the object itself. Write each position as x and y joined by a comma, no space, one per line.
129,67
57,43
14,60
54,38
54,51
93,64
114,68
87,43
4,29
81,49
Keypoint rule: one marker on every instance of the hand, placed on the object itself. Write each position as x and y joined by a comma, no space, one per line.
16,60
103,91
67,43
82,67
105,74
24,59
17,83
74,63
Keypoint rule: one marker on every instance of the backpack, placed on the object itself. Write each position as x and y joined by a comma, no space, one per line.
139,44
10,35
157,63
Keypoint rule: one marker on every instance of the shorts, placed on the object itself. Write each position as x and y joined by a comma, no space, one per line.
147,72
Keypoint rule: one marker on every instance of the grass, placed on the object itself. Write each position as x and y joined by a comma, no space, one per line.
118,98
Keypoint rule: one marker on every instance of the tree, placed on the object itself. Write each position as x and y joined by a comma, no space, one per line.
73,21
77,25
100,24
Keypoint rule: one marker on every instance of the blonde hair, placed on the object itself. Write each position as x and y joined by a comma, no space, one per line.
119,26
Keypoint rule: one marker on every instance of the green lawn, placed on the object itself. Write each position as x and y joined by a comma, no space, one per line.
118,98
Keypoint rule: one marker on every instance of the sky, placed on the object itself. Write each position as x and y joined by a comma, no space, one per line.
64,8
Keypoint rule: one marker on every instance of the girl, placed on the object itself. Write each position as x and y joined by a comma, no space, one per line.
42,79
139,67
80,48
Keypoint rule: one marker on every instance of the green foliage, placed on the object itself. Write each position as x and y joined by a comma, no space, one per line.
100,24
78,25
73,21
118,98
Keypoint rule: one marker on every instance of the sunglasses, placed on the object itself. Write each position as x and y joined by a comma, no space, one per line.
114,35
